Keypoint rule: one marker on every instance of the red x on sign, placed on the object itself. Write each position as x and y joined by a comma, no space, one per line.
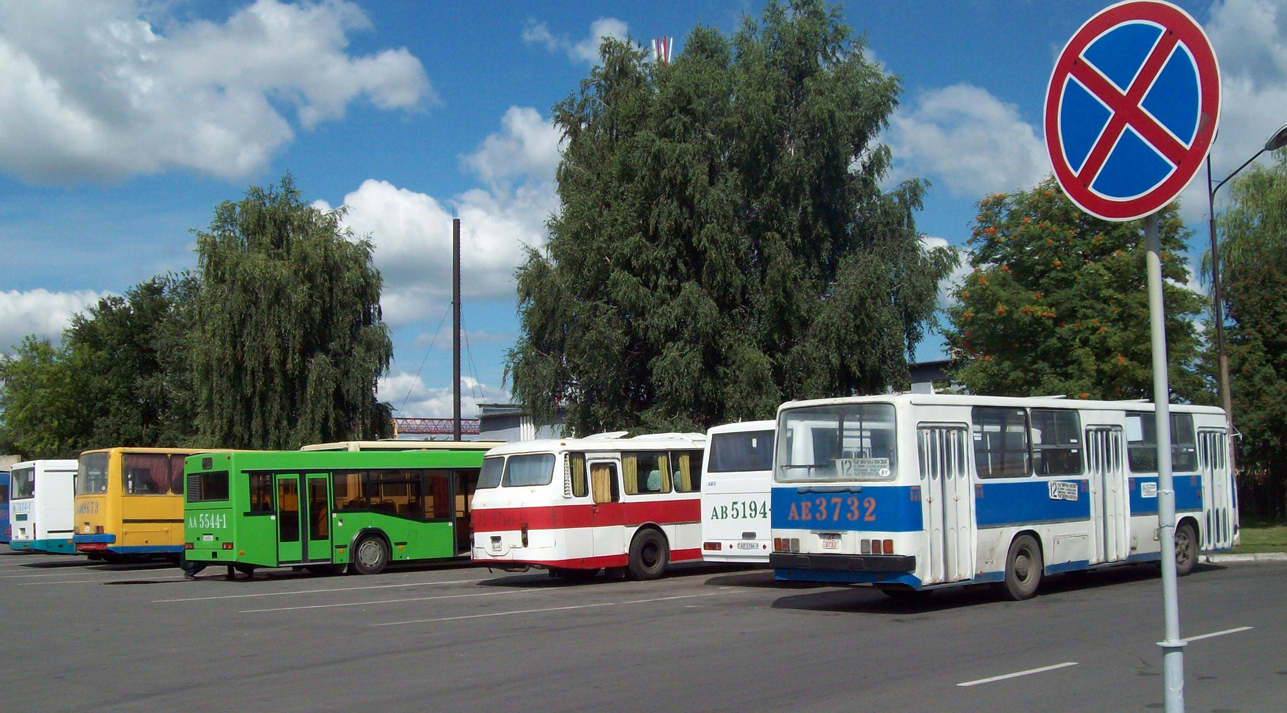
1131,109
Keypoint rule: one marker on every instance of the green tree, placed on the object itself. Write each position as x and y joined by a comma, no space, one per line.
723,243
131,356
1253,252
288,341
119,377
46,413
1058,303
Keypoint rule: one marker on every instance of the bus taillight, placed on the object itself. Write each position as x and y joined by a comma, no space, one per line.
187,545
227,545
99,529
875,547
716,546
786,544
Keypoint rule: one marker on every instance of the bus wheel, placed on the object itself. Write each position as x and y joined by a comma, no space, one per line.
1186,549
649,555
370,556
1023,567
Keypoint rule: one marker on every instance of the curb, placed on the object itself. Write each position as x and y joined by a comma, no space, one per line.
1254,557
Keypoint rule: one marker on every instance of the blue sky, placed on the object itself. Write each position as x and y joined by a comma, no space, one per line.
123,123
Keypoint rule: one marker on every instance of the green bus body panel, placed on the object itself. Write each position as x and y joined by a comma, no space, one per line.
210,525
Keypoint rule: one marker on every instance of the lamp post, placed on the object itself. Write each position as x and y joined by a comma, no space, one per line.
1277,141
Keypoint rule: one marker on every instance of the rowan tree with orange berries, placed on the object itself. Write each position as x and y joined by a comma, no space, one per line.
1057,303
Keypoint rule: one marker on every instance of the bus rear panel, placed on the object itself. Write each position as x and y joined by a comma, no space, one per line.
41,501
736,493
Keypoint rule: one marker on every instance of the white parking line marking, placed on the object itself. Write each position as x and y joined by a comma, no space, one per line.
546,609
1017,674
1219,633
385,601
313,591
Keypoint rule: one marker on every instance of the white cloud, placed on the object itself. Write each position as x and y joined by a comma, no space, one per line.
584,50
106,90
1250,42
412,231
411,397
948,285
40,312
968,139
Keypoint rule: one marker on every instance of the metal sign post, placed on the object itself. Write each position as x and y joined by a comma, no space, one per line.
1131,111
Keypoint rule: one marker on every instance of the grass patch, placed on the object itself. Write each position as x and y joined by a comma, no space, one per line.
1259,537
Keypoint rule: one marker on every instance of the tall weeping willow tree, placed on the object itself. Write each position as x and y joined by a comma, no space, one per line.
288,341
724,242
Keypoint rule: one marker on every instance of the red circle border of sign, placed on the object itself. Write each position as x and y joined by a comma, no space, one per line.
1173,20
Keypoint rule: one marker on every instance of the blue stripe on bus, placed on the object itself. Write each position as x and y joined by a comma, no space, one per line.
59,546
1188,493
146,549
1028,502
873,508
88,539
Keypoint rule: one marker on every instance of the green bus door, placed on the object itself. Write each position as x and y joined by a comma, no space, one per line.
318,546
303,523
289,547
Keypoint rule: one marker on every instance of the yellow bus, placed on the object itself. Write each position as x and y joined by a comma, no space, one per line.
129,503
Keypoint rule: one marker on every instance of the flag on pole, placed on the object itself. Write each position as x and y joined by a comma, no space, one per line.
661,48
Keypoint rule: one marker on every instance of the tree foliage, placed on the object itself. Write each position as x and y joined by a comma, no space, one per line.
723,243
1253,251
120,376
1058,303
288,339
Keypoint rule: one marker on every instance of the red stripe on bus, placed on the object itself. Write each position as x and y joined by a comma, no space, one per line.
588,562
560,517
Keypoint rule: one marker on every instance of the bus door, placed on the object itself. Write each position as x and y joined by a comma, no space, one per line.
947,499
464,482
317,546
1217,490
605,515
289,544
1110,505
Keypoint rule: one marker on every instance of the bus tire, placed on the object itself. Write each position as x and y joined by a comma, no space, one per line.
370,555
1186,548
649,555
1023,568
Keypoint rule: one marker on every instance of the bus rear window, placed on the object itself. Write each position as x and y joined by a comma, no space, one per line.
741,452
22,482
841,442
146,473
490,475
91,474
208,487
536,469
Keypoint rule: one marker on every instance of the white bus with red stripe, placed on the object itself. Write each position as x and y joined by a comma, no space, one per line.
583,504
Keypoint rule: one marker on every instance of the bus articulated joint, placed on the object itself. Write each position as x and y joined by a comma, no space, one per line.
844,563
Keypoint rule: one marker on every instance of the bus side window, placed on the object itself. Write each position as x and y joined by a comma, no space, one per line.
576,467
1000,442
603,482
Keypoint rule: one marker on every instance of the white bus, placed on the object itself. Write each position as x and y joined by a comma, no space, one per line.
914,492
579,505
735,494
41,505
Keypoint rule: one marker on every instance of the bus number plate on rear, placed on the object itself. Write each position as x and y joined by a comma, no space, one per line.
207,538
748,545
830,541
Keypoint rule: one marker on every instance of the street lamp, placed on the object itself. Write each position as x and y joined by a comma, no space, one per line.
1277,141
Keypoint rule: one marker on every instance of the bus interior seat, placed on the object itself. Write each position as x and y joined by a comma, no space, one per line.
654,481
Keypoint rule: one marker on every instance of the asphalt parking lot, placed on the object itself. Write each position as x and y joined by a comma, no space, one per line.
86,636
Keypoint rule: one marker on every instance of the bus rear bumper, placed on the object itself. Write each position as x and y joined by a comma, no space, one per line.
53,546
902,564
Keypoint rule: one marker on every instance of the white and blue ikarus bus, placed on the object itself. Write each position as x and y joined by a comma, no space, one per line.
41,495
4,507
738,473
914,492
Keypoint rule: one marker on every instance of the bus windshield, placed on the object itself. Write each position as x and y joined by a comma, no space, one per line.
23,483
490,476
91,474
741,451
842,442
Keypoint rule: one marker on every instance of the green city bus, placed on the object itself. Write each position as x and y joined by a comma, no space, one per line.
328,511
